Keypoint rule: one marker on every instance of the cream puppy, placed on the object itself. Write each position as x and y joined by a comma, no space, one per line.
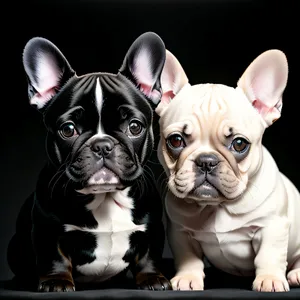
226,198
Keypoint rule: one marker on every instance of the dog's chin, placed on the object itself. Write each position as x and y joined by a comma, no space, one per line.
205,194
100,189
103,181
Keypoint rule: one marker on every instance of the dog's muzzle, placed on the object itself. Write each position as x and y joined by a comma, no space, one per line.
92,170
101,148
205,183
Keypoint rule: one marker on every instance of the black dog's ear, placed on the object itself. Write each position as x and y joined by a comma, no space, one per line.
47,70
143,64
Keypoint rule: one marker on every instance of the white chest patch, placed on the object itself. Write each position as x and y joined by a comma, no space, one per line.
112,212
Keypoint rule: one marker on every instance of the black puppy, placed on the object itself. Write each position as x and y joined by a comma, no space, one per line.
94,214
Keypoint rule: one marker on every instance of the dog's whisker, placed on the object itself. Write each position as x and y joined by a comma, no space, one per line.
162,181
65,187
55,183
149,171
54,177
59,170
140,185
154,162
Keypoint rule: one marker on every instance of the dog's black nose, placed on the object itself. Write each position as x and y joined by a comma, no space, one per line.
207,162
102,146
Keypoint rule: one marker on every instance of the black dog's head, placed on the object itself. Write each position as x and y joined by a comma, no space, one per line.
100,124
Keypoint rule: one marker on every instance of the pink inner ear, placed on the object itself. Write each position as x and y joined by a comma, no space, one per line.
149,92
263,109
167,97
45,80
42,97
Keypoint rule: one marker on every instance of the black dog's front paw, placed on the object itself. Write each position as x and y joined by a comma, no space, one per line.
153,281
56,285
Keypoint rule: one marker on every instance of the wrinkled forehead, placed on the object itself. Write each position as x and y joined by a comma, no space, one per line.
210,107
98,94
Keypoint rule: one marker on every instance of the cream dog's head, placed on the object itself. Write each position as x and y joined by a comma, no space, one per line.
211,134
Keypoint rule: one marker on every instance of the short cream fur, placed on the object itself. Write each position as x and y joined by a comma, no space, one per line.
226,197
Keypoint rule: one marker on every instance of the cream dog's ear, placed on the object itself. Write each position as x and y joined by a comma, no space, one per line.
264,82
173,79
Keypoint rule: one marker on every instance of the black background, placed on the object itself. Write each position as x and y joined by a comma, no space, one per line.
214,41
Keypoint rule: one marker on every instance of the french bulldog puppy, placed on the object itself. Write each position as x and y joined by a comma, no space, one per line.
94,214
226,198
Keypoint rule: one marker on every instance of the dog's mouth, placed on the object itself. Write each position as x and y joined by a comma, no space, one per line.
204,194
102,181
206,191
104,176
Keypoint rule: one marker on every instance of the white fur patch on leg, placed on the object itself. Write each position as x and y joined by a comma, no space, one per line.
60,266
146,264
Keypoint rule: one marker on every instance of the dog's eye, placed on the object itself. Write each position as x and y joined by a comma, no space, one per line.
240,145
135,127
68,130
175,141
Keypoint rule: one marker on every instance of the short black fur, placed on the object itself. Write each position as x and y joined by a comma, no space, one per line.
99,130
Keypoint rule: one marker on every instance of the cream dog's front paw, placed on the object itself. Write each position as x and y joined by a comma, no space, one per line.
186,282
270,283
294,277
